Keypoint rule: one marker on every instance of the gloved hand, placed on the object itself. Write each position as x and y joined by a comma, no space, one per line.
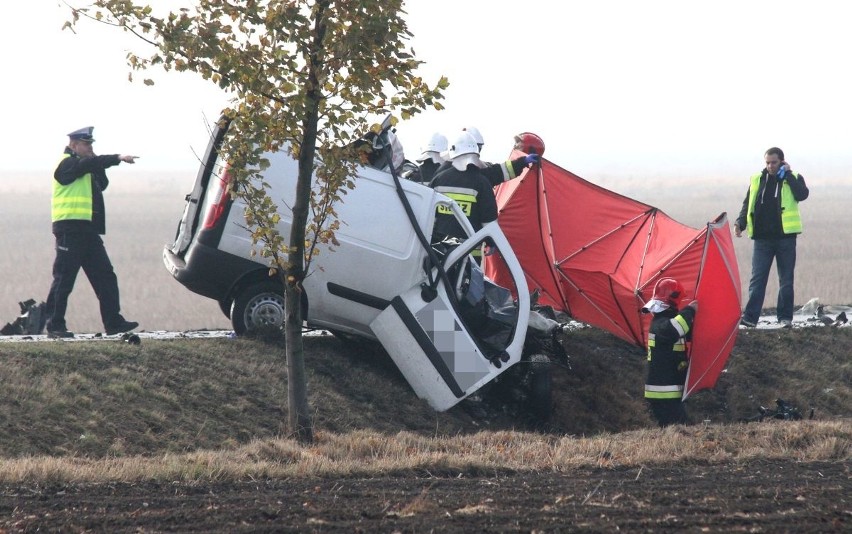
782,172
531,158
693,305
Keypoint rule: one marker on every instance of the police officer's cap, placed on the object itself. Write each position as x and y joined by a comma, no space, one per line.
83,134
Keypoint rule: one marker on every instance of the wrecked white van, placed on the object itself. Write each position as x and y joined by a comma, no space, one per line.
448,330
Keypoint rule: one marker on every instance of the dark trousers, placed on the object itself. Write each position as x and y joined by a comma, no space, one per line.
783,251
668,411
73,251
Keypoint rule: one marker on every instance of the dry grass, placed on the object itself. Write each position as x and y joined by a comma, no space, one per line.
143,212
366,453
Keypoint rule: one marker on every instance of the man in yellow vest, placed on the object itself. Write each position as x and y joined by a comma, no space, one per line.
770,214
77,212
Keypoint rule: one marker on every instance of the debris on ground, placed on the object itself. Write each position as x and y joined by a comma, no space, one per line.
783,410
31,321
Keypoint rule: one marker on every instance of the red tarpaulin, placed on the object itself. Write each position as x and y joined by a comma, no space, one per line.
596,255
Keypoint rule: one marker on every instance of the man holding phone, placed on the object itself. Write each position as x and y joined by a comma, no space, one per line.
770,214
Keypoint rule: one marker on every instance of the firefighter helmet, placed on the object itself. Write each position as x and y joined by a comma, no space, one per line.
474,131
529,143
669,290
464,144
464,152
437,144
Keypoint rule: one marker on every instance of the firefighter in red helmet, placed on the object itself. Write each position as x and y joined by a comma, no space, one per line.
529,143
670,329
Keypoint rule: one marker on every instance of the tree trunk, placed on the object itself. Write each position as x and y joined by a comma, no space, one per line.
299,413
299,418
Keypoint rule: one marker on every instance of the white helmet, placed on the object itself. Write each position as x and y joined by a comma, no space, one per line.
433,149
464,144
465,151
474,131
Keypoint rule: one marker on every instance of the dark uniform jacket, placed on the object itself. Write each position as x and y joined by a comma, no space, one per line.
667,362
472,192
74,167
426,171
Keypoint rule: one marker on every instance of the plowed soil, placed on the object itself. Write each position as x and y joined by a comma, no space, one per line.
762,496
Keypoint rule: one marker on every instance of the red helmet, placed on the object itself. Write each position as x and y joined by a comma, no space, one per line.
529,143
669,291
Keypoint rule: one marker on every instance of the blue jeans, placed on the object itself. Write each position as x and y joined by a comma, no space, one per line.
783,251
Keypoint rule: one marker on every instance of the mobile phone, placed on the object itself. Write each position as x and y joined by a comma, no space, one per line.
782,169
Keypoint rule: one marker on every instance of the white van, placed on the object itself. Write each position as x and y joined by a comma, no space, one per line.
383,281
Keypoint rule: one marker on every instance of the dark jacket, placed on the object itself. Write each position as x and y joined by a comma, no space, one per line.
667,363
427,171
472,192
74,167
767,209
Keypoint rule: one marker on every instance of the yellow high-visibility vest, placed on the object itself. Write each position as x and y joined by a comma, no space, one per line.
791,221
72,201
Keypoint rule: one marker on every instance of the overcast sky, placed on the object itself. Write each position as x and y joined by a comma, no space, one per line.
616,88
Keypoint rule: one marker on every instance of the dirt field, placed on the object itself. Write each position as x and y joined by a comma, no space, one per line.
754,497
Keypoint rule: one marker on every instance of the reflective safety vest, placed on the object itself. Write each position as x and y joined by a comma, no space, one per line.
72,201
791,221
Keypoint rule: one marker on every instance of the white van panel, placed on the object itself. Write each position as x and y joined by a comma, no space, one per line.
375,232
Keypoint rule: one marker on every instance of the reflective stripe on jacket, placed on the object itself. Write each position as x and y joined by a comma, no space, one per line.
72,201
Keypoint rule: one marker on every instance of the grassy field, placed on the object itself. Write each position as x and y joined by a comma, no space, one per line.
143,212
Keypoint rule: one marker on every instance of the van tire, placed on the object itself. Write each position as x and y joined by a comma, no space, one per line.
257,307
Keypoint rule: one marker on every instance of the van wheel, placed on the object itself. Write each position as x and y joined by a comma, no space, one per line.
257,307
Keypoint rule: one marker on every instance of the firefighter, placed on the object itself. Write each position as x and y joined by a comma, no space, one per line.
667,355
77,212
462,180
431,158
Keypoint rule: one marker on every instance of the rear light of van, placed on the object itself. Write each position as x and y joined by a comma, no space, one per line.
218,195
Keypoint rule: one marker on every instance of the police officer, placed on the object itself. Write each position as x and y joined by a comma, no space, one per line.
667,356
77,212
